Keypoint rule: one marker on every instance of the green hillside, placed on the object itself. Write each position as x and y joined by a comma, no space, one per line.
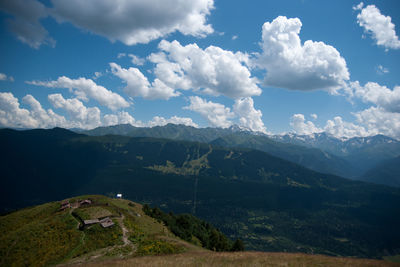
387,172
269,203
311,158
47,235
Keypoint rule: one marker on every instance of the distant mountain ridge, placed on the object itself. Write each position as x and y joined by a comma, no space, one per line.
169,131
347,157
363,152
337,146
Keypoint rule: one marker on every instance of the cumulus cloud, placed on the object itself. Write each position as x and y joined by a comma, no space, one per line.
136,21
371,121
293,65
138,85
314,116
249,117
121,117
161,121
217,114
12,115
44,119
137,60
339,128
379,26
80,115
379,95
86,88
212,71
26,22
379,121
303,127
4,77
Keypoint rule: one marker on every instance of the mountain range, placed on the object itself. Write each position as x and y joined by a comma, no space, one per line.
270,203
350,158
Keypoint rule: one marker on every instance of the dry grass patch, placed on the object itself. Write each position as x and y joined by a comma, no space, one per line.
242,259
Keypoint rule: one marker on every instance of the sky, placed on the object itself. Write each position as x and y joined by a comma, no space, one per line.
302,66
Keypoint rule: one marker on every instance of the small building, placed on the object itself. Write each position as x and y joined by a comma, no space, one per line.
119,195
106,222
89,222
65,205
85,202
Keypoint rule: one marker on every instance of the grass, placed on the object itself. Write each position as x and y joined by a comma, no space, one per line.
40,242
43,235
395,258
242,259
88,213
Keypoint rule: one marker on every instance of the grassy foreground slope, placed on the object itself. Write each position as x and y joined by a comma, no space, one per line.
46,235
205,258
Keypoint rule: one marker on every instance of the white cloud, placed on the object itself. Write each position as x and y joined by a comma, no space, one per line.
249,117
44,119
26,22
80,115
381,70
120,55
380,121
134,59
136,21
12,115
161,121
138,85
378,95
314,116
137,60
369,122
217,114
87,88
379,26
4,77
293,65
301,126
212,71
122,117
234,37
359,6
97,75
339,128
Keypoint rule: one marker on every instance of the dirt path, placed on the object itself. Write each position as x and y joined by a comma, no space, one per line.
124,231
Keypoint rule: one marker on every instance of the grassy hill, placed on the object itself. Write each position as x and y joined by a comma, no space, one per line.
270,203
47,235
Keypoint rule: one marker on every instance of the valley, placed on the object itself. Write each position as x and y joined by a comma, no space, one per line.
270,203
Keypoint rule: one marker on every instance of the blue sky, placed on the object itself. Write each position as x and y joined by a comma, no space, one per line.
314,66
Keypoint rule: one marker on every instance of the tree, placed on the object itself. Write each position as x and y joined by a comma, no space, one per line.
238,245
